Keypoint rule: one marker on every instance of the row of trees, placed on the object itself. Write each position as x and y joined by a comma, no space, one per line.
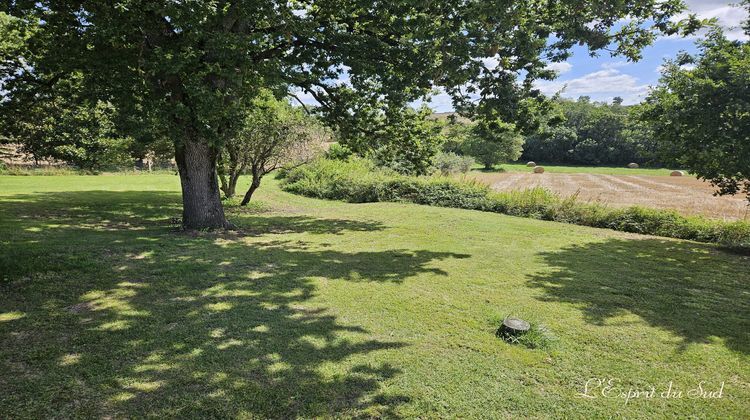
593,133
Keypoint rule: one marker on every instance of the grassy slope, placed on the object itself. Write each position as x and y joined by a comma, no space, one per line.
607,170
326,308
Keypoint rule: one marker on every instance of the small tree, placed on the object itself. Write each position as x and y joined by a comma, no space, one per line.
449,163
455,133
494,142
700,114
408,141
403,139
274,134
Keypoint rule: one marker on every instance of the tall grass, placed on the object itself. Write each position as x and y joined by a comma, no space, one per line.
41,170
359,180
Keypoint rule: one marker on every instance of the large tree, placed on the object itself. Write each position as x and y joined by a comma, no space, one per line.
700,112
189,68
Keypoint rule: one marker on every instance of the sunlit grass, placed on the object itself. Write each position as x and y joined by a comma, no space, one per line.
11,316
325,309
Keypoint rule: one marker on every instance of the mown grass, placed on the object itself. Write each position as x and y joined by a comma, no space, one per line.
360,181
323,308
606,170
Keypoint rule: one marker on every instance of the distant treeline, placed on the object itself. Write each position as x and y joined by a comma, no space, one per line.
593,133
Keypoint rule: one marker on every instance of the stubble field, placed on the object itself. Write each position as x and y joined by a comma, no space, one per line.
686,194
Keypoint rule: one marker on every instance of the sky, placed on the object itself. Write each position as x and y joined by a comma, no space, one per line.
604,77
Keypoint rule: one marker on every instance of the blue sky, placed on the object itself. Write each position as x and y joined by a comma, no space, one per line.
605,77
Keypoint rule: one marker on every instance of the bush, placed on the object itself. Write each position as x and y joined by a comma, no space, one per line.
360,181
451,163
338,152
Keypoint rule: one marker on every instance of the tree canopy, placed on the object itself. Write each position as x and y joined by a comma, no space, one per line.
189,69
492,143
700,112
592,133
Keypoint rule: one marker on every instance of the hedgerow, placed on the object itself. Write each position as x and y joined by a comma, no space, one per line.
360,181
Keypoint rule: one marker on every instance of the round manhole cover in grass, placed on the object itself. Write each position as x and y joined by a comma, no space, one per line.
515,325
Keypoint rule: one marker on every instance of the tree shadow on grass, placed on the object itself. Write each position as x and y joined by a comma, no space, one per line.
647,277
108,312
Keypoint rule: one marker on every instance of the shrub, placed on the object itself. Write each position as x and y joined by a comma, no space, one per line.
338,152
360,180
451,163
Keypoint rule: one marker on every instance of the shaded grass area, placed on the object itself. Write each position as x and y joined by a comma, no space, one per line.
319,308
680,297
565,169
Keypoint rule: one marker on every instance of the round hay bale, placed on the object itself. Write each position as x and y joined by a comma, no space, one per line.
677,173
538,169
633,165
531,164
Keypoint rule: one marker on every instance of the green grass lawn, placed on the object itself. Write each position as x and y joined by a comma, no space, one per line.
319,308
606,170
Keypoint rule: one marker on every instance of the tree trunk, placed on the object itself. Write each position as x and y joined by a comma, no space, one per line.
233,178
201,202
253,186
224,185
229,184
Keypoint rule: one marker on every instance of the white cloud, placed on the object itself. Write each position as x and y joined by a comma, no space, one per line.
491,62
728,15
601,85
660,68
560,68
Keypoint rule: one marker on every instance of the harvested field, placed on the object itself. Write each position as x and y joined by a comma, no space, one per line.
687,195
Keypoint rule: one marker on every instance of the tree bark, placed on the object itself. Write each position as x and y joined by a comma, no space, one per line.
229,183
201,201
233,178
224,185
253,186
